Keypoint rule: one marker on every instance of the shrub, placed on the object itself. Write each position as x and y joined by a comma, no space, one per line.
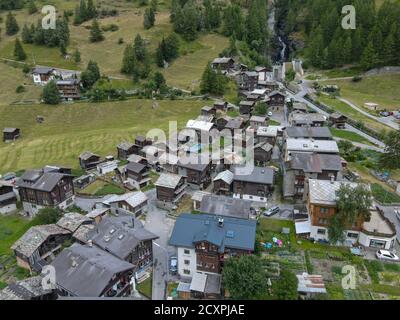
110,27
20,89
382,195
374,267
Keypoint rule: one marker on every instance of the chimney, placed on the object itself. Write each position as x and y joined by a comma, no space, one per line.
90,243
220,222
332,179
74,263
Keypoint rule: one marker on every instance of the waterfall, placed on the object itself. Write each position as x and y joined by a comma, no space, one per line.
282,55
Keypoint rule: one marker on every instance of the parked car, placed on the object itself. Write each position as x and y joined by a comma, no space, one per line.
272,211
269,114
384,114
387,255
173,265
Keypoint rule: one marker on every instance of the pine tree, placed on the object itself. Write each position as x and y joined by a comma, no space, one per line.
63,48
171,47
19,52
77,56
154,4
175,6
90,75
50,94
77,17
347,50
83,12
27,35
389,47
11,25
129,63
96,34
159,80
233,22
356,45
140,48
187,21
149,18
91,11
159,57
368,58
316,48
32,7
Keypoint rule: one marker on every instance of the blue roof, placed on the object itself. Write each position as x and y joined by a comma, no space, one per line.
234,233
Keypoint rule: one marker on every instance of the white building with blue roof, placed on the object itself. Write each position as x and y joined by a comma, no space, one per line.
204,241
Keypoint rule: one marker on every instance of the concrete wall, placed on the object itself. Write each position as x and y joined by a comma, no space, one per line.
182,256
8,208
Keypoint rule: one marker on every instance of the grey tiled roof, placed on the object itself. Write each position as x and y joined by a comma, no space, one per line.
125,145
308,132
225,206
135,167
72,221
262,175
24,289
120,235
86,271
168,180
9,130
35,237
86,155
39,180
314,162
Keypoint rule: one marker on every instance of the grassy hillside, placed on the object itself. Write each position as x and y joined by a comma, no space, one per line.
186,71
345,109
379,89
183,73
69,130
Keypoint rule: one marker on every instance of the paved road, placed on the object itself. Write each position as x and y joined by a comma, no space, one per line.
300,97
158,223
362,145
87,204
384,120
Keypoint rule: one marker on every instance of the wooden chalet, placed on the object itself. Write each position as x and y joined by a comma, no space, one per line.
338,120
38,245
138,173
125,149
246,107
47,187
11,134
69,89
170,188
89,160
223,64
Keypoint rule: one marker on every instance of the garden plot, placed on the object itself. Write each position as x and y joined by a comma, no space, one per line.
293,261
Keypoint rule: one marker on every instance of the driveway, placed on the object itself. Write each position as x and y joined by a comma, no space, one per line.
87,204
158,223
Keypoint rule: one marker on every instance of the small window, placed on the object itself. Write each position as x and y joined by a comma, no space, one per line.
352,235
186,251
323,210
321,231
186,271
187,262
